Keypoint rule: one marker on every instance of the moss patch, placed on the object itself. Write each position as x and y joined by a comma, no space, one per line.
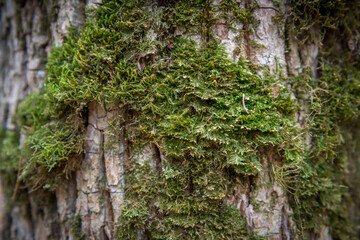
320,189
54,141
320,186
209,117
9,155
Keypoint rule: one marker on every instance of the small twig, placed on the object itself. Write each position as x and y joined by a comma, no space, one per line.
17,180
243,102
298,136
36,188
272,8
320,89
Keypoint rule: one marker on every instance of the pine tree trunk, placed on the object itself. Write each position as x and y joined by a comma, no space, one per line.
88,203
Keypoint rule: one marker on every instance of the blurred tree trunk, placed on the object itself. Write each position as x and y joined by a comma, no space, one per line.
29,29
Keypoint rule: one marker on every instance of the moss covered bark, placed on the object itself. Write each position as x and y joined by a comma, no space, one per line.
213,123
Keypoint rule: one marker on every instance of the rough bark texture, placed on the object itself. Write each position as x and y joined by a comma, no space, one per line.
29,29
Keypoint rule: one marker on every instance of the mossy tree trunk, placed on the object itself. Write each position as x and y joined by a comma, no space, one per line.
215,119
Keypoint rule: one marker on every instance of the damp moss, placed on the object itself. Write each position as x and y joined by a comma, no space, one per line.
195,113
75,226
317,20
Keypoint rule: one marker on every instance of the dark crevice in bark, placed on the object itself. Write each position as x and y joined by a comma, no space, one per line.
251,187
190,188
301,57
285,233
124,138
287,45
103,235
166,3
30,217
6,115
246,30
83,12
247,43
107,207
207,26
84,114
143,235
157,158
126,146
251,183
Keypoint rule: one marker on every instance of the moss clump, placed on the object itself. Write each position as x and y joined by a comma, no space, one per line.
54,141
317,20
320,188
75,226
194,112
9,142
9,155
210,117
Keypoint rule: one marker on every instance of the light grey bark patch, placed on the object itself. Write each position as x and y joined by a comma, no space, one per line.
100,177
272,54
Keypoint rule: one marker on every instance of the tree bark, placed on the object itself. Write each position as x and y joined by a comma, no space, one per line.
88,203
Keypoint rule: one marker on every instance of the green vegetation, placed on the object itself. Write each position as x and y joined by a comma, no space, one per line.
185,97
54,141
9,155
322,194
75,226
194,112
316,20
318,184
214,120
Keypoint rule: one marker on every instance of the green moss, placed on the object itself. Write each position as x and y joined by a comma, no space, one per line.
318,180
54,140
9,158
188,98
75,226
320,189
211,117
325,17
9,141
194,112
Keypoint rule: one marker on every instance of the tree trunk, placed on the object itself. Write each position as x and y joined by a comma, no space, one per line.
91,200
